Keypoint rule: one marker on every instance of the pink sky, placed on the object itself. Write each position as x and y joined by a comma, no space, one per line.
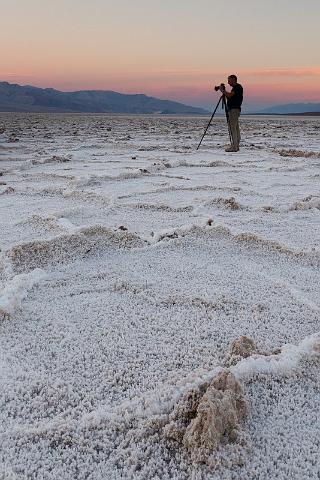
173,49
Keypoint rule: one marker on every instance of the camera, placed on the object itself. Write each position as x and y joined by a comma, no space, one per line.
217,87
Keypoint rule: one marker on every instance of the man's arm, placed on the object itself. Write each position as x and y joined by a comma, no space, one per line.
227,94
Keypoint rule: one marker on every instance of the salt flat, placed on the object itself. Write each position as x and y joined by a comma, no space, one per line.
129,263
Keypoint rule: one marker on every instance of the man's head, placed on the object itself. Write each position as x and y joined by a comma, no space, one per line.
232,80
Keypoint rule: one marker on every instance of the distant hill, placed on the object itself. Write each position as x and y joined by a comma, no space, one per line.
293,108
17,98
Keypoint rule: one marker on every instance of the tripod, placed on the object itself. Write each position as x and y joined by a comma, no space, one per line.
224,106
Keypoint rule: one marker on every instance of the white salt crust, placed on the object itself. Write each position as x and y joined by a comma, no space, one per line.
129,264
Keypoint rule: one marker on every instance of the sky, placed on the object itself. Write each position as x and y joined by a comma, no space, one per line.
172,49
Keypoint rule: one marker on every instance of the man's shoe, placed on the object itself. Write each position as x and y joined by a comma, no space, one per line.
231,149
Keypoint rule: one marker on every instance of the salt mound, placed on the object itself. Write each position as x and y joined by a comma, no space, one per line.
184,412
204,421
242,347
6,190
69,247
298,153
307,203
54,159
16,290
229,203
258,241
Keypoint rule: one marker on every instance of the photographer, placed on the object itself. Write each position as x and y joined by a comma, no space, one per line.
234,102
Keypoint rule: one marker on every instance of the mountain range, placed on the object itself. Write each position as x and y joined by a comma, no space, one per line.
292,108
17,98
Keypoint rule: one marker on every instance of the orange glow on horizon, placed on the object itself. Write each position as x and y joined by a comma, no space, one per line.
269,86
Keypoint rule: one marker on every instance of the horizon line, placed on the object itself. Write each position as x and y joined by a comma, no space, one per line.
258,104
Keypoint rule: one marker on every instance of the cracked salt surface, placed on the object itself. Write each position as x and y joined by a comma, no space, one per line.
129,264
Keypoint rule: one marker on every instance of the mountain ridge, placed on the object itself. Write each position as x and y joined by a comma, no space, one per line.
292,108
27,98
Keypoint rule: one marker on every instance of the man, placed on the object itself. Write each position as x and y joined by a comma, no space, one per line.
234,102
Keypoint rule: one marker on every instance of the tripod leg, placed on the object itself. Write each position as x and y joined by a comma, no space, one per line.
210,121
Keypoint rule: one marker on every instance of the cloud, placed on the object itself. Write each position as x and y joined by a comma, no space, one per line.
8,74
15,75
284,72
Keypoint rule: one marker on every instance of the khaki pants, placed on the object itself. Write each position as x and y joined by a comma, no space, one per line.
234,115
